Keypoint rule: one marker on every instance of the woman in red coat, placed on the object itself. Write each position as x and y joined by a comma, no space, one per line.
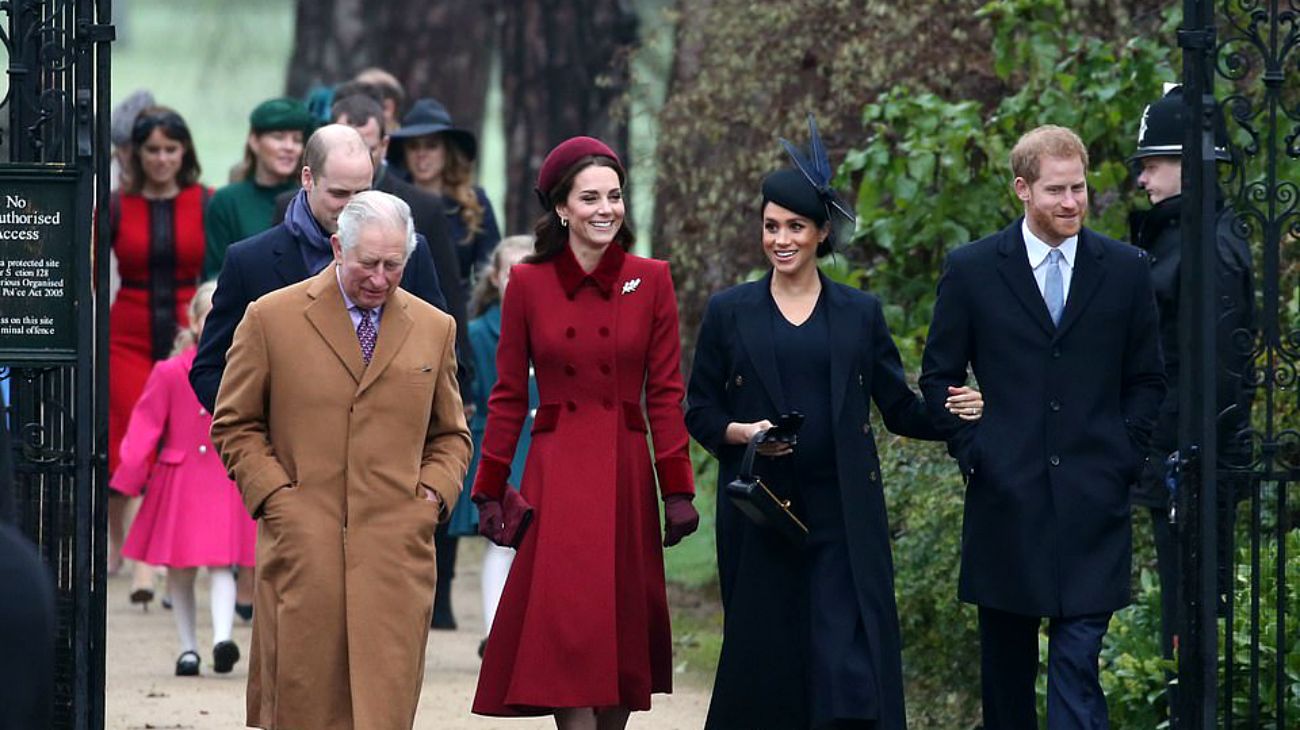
582,630
157,224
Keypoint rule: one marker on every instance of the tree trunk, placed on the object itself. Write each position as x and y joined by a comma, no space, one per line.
439,49
564,73
564,68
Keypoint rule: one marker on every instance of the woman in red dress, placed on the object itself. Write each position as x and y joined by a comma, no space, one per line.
157,225
582,630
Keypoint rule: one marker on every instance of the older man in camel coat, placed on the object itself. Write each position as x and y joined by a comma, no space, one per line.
340,419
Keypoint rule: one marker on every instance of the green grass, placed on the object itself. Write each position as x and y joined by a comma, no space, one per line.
692,571
697,633
692,564
211,60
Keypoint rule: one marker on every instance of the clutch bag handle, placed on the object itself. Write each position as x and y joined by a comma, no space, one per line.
751,450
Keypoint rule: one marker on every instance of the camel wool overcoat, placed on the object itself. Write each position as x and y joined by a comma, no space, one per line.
332,455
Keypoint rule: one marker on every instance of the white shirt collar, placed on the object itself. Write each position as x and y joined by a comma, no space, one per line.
1038,250
350,305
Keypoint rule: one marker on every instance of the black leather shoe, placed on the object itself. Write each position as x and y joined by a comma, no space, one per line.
224,656
443,618
244,610
142,596
187,664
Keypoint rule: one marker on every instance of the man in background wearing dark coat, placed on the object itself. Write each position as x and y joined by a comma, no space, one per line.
1157,231
364,114
336,167
1059,325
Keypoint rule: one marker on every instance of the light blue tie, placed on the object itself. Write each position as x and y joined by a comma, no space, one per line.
1053,288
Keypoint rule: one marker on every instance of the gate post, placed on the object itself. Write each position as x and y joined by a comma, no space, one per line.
1198,645
53,319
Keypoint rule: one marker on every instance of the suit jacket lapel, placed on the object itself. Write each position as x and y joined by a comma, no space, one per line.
394,326
1015,271
329,316
845,334
1084,280
288,259
754,323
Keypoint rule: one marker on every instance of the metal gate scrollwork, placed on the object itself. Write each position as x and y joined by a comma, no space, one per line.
53,319
1239,658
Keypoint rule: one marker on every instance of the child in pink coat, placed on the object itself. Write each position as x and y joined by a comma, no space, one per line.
192,515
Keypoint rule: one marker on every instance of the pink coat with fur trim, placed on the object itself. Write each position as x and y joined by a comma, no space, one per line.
192,514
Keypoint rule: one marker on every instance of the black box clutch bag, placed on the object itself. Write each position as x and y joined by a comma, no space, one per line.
753,498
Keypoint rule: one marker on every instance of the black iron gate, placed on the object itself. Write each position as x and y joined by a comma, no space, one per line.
1239,657
53,324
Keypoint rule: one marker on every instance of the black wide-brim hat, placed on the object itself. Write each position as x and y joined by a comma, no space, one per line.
428,116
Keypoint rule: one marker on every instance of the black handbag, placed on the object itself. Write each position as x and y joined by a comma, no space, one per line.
753,498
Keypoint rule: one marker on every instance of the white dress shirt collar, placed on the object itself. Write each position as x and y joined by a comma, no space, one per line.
353,310
1038,249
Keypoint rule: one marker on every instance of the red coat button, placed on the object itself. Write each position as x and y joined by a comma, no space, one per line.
570,333
604,368
570,370
571,406
609,404
604,332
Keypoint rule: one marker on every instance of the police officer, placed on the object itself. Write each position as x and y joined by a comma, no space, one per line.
1158,165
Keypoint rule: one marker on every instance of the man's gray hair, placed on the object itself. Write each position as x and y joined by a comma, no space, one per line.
375,207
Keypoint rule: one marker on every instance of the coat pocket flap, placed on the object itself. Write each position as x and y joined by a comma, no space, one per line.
548,414
171,456
632,416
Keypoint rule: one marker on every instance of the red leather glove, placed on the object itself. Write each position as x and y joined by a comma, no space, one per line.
680,518
490,522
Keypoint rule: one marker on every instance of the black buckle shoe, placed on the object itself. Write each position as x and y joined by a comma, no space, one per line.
187,664
224,656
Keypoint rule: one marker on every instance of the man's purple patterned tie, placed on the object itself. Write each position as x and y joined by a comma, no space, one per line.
366,333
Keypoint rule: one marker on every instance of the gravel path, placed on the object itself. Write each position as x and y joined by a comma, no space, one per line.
143,692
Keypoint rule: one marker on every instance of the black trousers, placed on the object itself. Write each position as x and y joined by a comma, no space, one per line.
1009,666
444,546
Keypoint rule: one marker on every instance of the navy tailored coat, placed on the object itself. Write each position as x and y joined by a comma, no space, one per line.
762,674
1068,416
261,264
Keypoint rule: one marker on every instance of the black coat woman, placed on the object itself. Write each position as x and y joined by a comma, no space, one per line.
811,637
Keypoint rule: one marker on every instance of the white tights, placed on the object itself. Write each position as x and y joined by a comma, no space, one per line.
222,598
496,566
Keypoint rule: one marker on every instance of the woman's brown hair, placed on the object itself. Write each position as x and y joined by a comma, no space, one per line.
458,184
175,129
551,236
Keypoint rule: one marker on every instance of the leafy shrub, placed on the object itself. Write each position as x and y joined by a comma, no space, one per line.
933,173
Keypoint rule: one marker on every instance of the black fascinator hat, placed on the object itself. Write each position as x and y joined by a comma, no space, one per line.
806,189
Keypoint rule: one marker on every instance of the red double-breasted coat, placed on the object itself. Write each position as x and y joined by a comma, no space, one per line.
583,620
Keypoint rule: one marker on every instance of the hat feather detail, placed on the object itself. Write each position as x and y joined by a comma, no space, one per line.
816,167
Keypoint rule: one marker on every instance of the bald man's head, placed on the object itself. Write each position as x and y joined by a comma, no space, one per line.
337,166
